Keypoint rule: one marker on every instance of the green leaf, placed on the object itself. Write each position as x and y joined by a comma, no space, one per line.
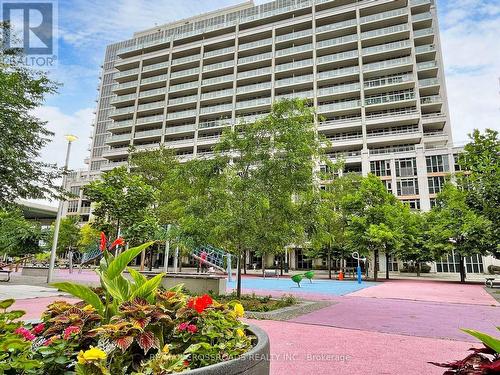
138,277
6,303
117,288
489,341
118,265
83,292
148,289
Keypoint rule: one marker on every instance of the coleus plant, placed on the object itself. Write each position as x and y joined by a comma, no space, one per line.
481,361
117,288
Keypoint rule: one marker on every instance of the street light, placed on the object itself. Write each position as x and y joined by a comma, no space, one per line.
70,138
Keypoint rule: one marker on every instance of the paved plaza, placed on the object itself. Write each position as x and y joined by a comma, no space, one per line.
388,327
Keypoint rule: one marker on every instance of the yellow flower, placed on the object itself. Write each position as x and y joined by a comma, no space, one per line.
239,310
166,349
240,332
88,308
91,355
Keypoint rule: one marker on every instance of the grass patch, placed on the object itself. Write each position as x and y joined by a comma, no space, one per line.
252,302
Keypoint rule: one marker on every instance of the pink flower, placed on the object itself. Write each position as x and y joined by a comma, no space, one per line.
183,326
70,330
25,333
192,328
39,328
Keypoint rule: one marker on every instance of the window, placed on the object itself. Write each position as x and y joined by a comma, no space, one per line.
302,261
74,190
437,163
433,202
451,263
393,263
407,186
406,167
435,184
380,167
456,162
413,203
388,185
72,206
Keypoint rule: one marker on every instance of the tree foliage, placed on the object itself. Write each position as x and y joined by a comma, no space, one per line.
22,173
18,236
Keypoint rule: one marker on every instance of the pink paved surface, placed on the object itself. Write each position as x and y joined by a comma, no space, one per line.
427,290
35,306
413,318
304,350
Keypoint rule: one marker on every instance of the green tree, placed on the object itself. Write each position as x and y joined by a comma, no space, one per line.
18,236
481,160
69,234
455,226
89,237
121,200
22,89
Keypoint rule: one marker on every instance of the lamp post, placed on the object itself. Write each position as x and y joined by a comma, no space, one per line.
70,138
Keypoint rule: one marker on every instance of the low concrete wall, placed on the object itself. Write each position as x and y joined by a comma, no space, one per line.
195,283
35,271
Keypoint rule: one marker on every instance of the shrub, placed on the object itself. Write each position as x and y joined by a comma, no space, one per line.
493,270
412,268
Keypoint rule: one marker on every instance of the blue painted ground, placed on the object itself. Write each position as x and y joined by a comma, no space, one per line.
328,287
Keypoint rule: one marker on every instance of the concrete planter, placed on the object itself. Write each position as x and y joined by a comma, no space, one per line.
254,362
35,271
196,283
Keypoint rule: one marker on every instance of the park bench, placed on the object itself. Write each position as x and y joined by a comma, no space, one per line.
6,272
491,282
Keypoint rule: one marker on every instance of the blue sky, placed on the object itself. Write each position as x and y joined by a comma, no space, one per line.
470,34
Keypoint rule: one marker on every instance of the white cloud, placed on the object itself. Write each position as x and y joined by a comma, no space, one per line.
470,31
78,124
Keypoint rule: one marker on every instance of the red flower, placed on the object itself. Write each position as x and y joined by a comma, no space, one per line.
71,330
102,247
186,363
118,242
200,303
183,326
25,333
192,328
39,328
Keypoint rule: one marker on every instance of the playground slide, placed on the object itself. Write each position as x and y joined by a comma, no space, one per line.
211,256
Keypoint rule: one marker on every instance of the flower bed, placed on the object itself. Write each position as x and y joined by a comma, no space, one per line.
124,327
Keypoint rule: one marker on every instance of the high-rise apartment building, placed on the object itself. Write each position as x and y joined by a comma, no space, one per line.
372,69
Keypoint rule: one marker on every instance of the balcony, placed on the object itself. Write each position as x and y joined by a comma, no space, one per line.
384,132
221,65
186,59
180,129
149,93
390,97
432,99
383,15
386,47
120,125
338,106
125,85
339,89
336,41
345,136
185,73
217,94
154,133
294,50
399,114
184,86
293,65
217,80
255,58
207,139
428,82
178,143
336,26
116,112
126,73
423,32
342,122
393,149
294,35
154,105
379,65
147,146
118,151
421,17
113,165
214,124
337,57
427,48
385,31
157,66
351,70
308,94
149,119
253,103
294,80
181,114
123,98
252,88
219,52
345,154
160,78
426,65
388,81
414,3
254,73
119,138
216,108
183,100
257,43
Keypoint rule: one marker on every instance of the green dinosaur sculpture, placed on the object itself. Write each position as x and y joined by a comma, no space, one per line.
309,275
297,279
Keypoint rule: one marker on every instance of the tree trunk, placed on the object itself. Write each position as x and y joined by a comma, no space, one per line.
151,255
238,277
418,269
282,259
329,260
386,266
375,264
143,259
462,269
245,262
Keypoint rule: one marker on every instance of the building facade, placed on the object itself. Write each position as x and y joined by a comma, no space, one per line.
372,69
